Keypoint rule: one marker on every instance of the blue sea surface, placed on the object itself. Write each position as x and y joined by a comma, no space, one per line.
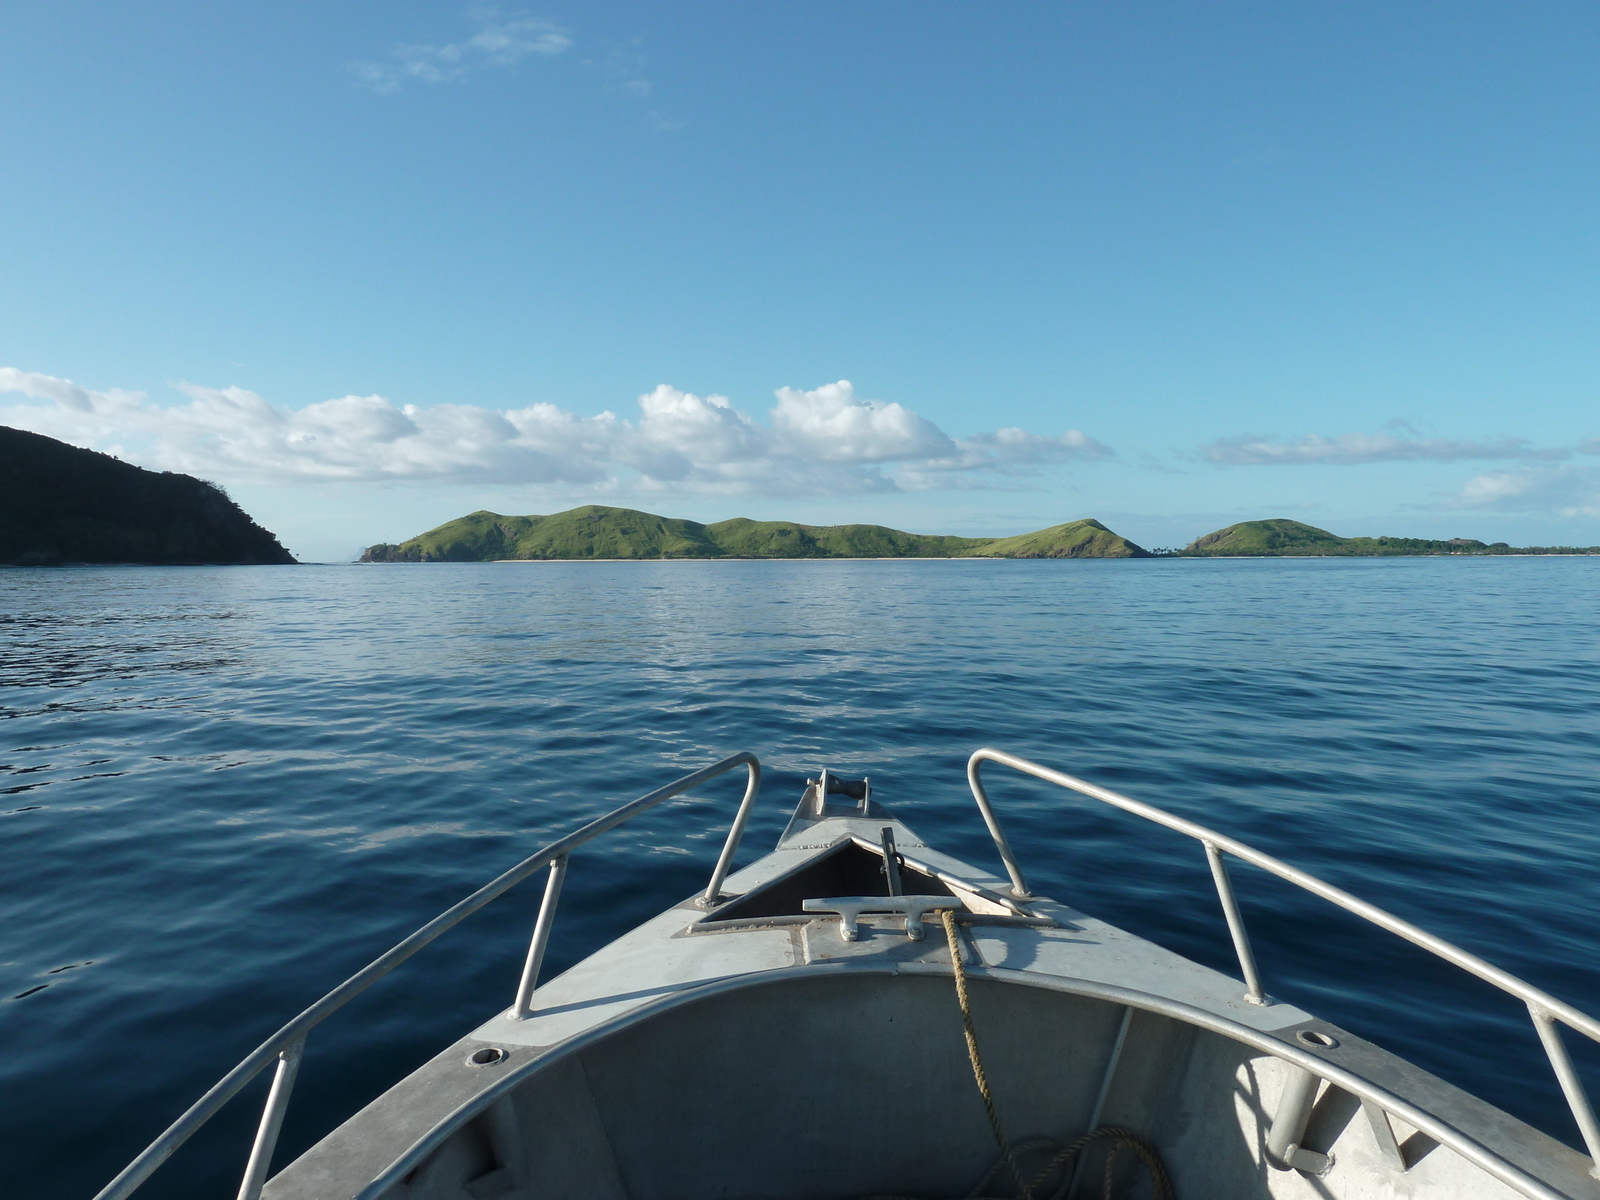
225,790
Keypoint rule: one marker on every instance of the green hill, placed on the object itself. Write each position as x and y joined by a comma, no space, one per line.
595,531
744,538
1277,536
1076,539
62,504
1283,538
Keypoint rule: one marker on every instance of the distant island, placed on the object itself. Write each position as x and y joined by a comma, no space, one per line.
60,504
1283,538
596,531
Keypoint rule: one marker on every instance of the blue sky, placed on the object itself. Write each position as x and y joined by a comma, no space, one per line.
945,267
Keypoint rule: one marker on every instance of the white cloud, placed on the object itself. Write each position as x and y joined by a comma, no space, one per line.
1565,491
826,441
831,424
1354,448
500,40
679,432
63,391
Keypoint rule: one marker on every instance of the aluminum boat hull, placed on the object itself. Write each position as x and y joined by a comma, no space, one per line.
749,1050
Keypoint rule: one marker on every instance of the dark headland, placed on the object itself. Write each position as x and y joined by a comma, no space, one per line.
61,504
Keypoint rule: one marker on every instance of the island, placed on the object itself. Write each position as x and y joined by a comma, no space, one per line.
61,504
1280,537
597,531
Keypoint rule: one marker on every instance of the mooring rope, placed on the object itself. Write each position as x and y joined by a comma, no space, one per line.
1010,1160
1120,1139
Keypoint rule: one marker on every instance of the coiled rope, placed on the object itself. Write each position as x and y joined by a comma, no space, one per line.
1120,1139
1063,1159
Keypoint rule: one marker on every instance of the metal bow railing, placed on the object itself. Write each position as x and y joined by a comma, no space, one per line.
287,1045
1544,1008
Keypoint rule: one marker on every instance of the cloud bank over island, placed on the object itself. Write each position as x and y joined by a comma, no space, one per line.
823,441
1566,490
1548,485
820,442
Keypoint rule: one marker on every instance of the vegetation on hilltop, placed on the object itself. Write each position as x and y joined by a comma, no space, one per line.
1076,539
744,538
595,531
1278,536
61,504
1282,538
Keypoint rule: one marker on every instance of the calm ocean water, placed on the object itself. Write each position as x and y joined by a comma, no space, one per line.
224,790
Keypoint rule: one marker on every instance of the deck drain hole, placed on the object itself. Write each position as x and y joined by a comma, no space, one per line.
1312,1038
486,1057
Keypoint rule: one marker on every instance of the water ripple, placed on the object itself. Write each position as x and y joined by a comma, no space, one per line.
227,789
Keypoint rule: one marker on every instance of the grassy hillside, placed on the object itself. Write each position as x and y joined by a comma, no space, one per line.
596,531
1278,536
1285,538
62,504
745,538
593,531
1075,539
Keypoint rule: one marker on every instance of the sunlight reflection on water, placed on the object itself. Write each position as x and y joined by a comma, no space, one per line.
227,789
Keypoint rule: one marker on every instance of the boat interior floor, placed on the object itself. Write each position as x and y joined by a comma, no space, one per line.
857,1084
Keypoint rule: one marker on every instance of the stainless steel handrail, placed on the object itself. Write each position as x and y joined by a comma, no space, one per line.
286,1046
1544,1008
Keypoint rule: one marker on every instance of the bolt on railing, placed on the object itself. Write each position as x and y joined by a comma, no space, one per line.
287,1046
1544,1008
